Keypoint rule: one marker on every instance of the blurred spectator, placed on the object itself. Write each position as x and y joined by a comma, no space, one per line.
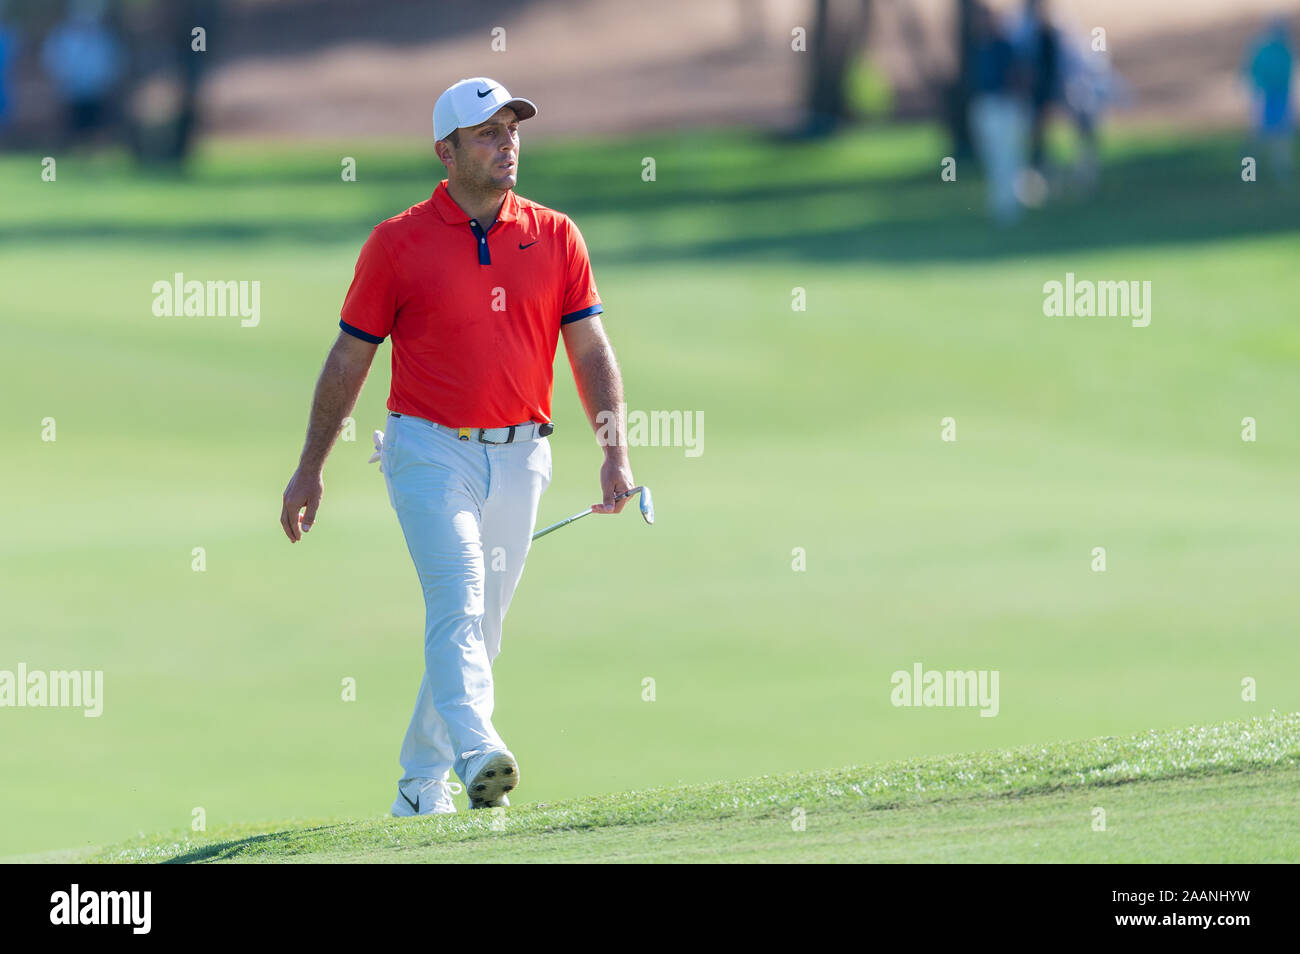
1088,86
8,52
1061,69
1268,70
84,58
998,115
1037,46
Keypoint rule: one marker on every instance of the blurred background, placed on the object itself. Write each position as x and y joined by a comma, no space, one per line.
854,209
325,68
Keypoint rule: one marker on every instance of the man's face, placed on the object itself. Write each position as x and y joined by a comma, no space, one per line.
488,156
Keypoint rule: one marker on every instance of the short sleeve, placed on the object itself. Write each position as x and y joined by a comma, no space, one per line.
581,300
371,303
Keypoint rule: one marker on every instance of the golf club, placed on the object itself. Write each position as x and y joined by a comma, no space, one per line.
647,510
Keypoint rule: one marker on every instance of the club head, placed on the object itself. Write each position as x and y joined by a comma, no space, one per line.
647,505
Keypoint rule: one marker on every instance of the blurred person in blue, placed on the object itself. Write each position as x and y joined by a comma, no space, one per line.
1063,69
1089,86
84,58
999,115
1268,70
8,52
1037,46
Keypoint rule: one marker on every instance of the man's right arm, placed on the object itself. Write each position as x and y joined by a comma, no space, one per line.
337,391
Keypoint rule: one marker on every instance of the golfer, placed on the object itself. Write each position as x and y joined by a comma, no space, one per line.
474,285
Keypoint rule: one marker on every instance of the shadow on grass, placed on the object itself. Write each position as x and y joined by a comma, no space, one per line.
227,850
750,201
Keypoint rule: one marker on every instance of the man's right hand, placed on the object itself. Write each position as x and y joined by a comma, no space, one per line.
305,490
336,395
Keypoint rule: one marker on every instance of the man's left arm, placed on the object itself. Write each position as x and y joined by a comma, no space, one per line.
600,386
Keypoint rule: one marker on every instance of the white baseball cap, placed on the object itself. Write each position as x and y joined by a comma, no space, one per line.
472,101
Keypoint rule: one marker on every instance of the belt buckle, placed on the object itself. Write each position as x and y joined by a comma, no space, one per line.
508,439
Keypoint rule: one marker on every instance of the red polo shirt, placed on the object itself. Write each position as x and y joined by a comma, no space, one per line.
474,315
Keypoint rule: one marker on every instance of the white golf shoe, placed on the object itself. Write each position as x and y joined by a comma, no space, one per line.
490,776
425,796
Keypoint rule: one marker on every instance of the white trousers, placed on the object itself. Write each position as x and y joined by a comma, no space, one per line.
467,511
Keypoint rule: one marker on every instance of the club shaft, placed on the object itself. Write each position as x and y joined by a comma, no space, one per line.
578,516
562,523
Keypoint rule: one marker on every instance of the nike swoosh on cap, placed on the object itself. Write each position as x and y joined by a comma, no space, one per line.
486,92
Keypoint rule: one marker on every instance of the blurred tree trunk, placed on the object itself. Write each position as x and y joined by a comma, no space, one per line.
839,32
166,71
959,94
202,12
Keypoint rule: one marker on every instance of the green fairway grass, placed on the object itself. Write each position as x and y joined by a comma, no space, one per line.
223,688
1223,793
